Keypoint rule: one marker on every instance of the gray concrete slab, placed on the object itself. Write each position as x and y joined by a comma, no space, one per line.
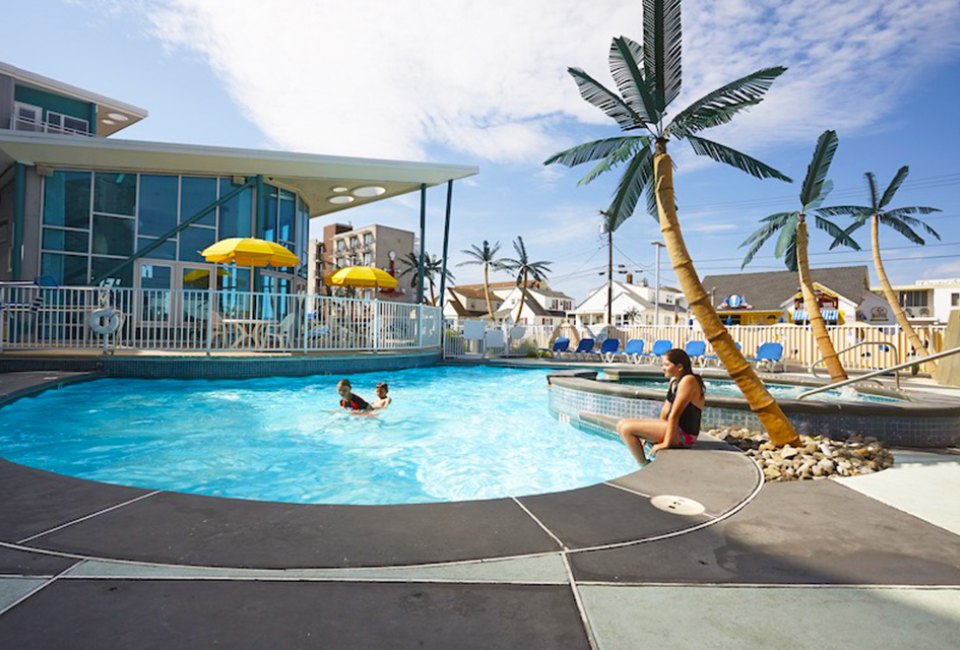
921,483
172,614
602,514
810,532
174,528
773,617
17,562
536,569
710,473
35,501
13,589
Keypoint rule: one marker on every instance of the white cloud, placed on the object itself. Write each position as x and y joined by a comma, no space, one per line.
488,80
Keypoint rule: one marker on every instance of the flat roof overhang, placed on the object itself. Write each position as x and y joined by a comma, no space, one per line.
313,176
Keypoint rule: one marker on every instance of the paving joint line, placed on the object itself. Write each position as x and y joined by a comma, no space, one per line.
90,516
584,619
541,524
34,591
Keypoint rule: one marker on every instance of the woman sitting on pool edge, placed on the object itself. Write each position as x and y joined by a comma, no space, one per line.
679,422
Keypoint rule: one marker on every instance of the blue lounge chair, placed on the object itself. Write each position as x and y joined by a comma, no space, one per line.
609,349
561,345
696,351
769,357
633,351
660,348
714,360
584,348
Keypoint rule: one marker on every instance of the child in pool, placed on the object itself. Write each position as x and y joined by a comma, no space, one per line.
350,401
383,400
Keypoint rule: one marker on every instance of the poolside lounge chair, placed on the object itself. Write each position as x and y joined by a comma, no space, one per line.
560,346
696,351
714,360
660,348
769,357
609,349
633,351
584,349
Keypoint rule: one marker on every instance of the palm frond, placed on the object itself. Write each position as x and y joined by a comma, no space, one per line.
760,236
786,248
626,56
894,186
853,211
638,175
616,157
872,186
661,49
835,231
848,230
606,100
589,151
901,227
734,158
916,209
719,106
818,167
915,222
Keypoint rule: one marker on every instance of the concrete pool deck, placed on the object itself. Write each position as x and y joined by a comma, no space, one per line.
85,564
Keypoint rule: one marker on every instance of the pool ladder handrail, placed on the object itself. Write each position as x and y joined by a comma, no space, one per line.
876,373
813,366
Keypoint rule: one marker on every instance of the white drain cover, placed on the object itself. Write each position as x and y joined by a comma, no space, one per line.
677,505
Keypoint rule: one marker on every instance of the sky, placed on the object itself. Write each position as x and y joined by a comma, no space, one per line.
486,84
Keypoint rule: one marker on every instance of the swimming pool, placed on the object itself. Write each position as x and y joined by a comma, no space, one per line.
451,434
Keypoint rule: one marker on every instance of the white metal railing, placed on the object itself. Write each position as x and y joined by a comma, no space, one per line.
118,319
890,344
21,123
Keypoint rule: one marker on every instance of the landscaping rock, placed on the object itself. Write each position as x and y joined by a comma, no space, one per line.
815,457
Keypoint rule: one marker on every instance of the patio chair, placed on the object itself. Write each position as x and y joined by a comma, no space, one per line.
559,348
633,351
714,360
660,348
696,351
282,334
584,348
609,349
769,357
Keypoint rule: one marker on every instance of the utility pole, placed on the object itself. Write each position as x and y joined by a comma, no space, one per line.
610,277
656,290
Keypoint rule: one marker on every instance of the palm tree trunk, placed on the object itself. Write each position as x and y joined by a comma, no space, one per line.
827,352
486,290
772,418
891,296
523,296
433,295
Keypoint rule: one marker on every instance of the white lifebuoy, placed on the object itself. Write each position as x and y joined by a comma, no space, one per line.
105,321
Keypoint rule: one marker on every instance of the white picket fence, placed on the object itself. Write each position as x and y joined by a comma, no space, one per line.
115,319
889,345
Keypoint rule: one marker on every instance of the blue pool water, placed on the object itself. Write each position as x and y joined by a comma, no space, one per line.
451,434
779,391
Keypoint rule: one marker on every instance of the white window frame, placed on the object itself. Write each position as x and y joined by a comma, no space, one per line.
36,121
62,127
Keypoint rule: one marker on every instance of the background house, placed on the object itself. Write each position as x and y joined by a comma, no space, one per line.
774,297
541,306
632,304
928,302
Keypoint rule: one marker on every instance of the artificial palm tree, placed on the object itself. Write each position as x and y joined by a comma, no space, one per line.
900,220
792,243
525,269
432,267
648,78
486,255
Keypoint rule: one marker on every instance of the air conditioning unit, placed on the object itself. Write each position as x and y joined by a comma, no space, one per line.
924,311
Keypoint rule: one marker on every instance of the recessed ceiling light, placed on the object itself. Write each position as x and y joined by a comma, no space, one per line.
108,122
340,199
369,190
339,188
119,117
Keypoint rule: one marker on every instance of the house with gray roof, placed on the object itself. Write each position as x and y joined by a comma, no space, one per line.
771,297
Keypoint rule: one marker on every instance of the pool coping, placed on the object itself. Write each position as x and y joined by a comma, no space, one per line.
57,515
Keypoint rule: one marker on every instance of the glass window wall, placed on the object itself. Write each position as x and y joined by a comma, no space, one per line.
158,205
115,193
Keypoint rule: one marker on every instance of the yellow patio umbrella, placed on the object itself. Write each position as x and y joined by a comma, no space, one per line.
246,251
202,274
360,276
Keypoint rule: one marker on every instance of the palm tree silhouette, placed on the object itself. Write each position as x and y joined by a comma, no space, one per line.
486,255
898,219
525,269
648,78
432,267
792,243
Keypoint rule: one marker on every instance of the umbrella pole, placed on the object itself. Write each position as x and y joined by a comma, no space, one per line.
211,296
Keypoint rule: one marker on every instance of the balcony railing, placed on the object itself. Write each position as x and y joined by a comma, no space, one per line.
39,126
119,320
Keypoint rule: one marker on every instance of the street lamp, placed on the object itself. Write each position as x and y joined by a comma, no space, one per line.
656,290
